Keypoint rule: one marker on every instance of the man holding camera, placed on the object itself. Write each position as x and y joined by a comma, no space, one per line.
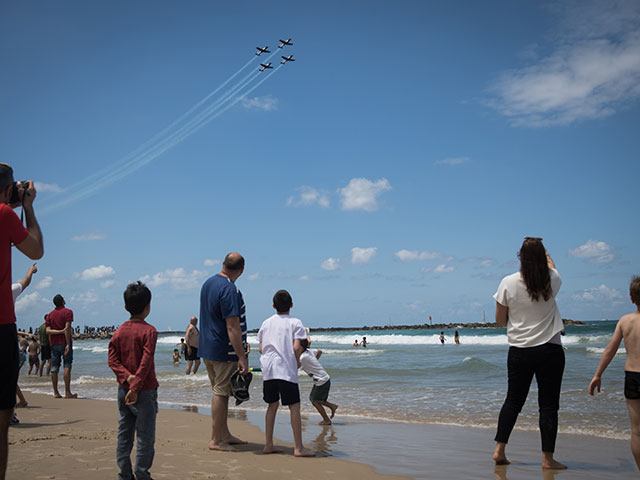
29,241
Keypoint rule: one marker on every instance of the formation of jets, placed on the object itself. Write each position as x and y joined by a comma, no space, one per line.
283,43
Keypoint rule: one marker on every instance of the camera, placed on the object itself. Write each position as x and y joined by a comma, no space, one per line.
18,192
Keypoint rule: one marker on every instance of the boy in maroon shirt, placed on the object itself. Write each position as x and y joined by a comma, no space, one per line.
131,352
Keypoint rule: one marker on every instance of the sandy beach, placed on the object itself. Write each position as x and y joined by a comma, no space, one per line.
75,439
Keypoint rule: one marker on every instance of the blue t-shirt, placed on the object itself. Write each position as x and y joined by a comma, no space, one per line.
219,300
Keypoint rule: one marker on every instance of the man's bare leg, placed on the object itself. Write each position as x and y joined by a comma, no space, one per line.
634,416
499,455
54,383
219,428
67,384
188,370
332,406
296,426
325,418
269,421
196,365
5,421
549,462
23,401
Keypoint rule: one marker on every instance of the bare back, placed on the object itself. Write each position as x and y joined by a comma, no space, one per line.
630,329
192,336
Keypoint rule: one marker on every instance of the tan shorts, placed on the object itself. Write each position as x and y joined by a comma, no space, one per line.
220,376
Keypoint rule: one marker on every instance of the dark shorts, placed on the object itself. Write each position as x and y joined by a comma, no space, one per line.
45,352
34,360
8,365
194,354
274,390
631,385
57,355
320,393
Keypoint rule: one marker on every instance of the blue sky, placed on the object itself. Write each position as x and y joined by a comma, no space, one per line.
388,174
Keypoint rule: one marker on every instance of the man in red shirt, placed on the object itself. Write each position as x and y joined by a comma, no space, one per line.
131,352
29,242
60,318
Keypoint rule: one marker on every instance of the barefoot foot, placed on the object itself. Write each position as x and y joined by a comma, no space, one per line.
231,440
22,404
325,422
57,395
71,395
221,447
333,411
305,452
551,464
271,449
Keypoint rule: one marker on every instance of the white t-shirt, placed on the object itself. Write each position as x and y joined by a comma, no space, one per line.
278,360
531,323
16,289
311,366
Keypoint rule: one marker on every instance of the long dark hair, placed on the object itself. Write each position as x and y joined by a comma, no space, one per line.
534,269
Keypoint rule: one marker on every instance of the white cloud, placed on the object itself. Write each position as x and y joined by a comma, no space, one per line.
453,161
330,264
598,294
593,252
48,187
253,276
413,255
592,71
361,194
362,255
304,278
266,103
85,299
46,282
177,278
209,262
442,268
108,283
87,237
27,300
308,196
96,273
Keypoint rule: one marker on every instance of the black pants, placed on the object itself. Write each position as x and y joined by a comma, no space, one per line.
8,365
546,362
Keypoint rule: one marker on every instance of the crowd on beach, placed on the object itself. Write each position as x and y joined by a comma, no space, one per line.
525,304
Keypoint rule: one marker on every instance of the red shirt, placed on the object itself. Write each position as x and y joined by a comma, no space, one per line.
131,352
11,231
57,319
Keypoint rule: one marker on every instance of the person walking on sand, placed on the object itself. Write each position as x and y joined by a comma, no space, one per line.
223,336
29,242
191,340
131,352
525,302
60,319
627,329
280,349
309,362
34,356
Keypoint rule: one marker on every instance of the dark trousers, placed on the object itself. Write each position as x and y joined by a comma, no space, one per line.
546,362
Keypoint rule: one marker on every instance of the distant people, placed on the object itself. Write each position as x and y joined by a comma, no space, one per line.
442,338
355,343
59,319
176,356
364,342
456,337
191,340
45,348
29,242
627,329
22,358
525,302
34,356
319,396
280,349
131,352
223,336
183,348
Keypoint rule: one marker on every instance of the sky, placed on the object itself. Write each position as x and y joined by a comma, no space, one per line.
389,174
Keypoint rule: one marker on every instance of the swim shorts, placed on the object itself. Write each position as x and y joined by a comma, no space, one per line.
274,390
632,385
194,354
320,393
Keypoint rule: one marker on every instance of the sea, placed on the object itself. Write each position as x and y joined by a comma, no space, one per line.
402,377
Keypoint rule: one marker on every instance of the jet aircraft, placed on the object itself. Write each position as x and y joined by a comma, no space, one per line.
287,59
263,50
263,67
284,42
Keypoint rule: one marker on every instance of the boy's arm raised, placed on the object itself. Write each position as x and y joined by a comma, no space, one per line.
607,356
146,363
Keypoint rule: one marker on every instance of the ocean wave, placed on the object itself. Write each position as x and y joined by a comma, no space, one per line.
94,349
600,350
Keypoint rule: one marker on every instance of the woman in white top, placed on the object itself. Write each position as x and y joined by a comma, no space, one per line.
525,302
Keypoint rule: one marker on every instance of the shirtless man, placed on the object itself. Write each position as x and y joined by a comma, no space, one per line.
628,328
34,351
191,339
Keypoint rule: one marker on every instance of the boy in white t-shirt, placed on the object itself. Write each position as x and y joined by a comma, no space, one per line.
321,382
280,351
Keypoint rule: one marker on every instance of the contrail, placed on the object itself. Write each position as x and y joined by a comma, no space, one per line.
156,146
